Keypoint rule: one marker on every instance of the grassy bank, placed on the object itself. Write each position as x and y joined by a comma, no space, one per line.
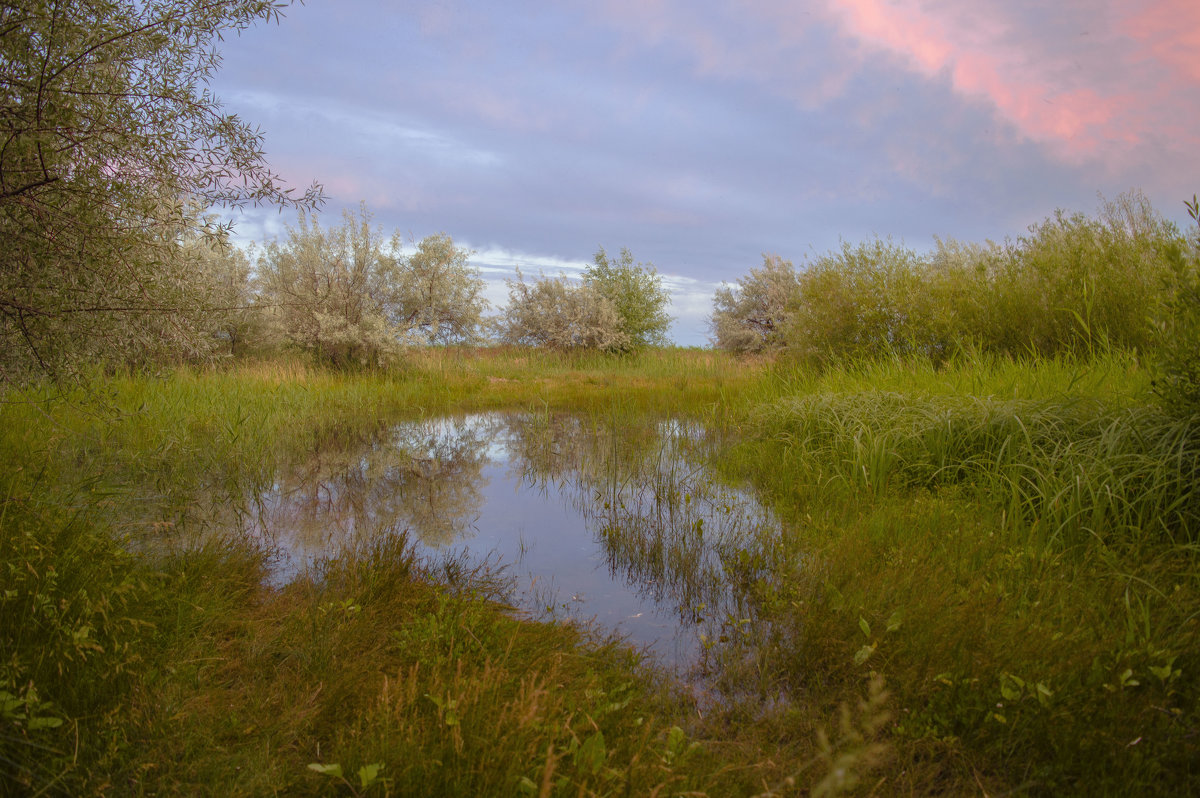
1012,546
182,671
1009,547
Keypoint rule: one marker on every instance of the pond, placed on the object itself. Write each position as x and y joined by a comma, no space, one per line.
608,521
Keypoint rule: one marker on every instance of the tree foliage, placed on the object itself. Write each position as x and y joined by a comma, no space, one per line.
856,302
1178,355
107,133
349,296
221,276
619,306
636,293
441,296
1073,283
555,313
336,293
752,316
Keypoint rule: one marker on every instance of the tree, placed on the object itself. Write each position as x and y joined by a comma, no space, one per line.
336,294
856,302
752,316
557,314
441,297
108,130
636,293
222,272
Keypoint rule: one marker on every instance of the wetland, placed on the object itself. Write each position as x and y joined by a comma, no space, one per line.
683,573
613,522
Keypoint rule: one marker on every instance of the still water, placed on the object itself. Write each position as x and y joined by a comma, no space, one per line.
606,521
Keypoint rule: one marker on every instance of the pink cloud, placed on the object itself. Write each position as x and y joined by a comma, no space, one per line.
1062,92
982,62
1169,31
1114,85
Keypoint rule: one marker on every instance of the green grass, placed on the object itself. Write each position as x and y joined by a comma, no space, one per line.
1010,547
182,671
371,664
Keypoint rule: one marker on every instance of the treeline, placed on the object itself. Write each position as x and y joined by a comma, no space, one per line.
345,295
348,295
1125,278
112,148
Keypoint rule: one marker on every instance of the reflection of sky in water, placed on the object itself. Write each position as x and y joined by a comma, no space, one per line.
550,549
637,546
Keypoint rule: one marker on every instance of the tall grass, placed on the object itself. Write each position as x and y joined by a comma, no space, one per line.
1012,545
1068,471
368,667
129,667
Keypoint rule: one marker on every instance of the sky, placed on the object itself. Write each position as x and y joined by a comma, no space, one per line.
703,134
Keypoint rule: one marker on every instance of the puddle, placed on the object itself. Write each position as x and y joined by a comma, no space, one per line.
614,523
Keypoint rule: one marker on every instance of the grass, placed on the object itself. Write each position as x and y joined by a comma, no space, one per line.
1010,547
372,666
1017,559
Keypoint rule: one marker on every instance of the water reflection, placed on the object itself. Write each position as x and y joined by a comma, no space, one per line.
593,517
425,478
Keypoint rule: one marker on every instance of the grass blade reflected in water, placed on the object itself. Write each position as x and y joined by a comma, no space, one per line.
609,520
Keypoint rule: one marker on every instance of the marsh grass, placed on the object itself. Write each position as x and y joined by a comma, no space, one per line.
1010,545
369,663
131,667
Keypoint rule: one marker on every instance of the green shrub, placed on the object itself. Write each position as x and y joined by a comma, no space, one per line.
1076,283
72,635
1073,284
636,293
857,302
1178,354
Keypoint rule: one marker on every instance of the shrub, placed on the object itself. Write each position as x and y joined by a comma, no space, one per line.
557,314
1074,284
752,316
857,302
440,295
73,637
1177,381
335,293
636,293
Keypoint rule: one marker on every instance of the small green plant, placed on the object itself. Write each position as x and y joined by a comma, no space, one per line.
368,775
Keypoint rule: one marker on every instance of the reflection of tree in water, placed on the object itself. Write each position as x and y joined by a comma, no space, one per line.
425,477
670,532
556,448
440,484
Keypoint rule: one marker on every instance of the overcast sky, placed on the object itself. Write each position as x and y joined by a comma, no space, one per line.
701,134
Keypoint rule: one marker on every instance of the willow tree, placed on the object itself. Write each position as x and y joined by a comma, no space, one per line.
108,134
556,313
441,295
336,293
635,291
753,315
